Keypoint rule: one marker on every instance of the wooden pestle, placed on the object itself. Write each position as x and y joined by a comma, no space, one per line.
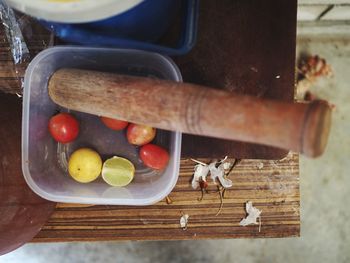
189,108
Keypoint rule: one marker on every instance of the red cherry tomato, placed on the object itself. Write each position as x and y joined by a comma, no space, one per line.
154,156
64,127
140,134
114,124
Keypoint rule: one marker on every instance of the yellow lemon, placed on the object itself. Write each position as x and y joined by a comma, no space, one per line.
85,165
118,171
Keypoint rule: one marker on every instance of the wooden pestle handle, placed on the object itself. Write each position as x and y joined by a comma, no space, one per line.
301,127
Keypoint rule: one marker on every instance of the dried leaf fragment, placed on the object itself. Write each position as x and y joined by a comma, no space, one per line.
253,215
168,200
313,67
184,221
310,69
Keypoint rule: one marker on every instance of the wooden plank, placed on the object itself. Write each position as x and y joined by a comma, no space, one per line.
22,212
274,189
245,47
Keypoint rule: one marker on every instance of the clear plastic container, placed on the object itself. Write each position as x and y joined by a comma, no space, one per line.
44,161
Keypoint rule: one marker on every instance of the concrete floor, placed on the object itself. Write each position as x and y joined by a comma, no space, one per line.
325,213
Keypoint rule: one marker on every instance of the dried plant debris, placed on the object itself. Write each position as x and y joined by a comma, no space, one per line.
313,67
221,191
200,174
184,221
310,70
217,170
168,200
252,215
203,185
260,165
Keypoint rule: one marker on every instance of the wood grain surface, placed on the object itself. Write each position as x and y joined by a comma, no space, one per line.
194,109
22,212
245,47
272,186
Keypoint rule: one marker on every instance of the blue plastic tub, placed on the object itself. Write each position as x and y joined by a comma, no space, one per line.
147,21
136,28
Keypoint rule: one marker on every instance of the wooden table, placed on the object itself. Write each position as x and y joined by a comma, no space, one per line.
274,189
272,186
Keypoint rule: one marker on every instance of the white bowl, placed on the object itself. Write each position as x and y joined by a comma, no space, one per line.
74,11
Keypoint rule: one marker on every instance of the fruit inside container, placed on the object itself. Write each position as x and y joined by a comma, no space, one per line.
45,161
108,143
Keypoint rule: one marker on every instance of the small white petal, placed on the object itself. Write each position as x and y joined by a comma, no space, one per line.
200,173
226,183
195,184
184,221
253,215
227,165
219,172
260,165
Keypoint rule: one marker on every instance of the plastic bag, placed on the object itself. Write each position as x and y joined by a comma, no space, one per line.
21,38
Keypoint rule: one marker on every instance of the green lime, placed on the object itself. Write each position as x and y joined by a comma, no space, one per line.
118,171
